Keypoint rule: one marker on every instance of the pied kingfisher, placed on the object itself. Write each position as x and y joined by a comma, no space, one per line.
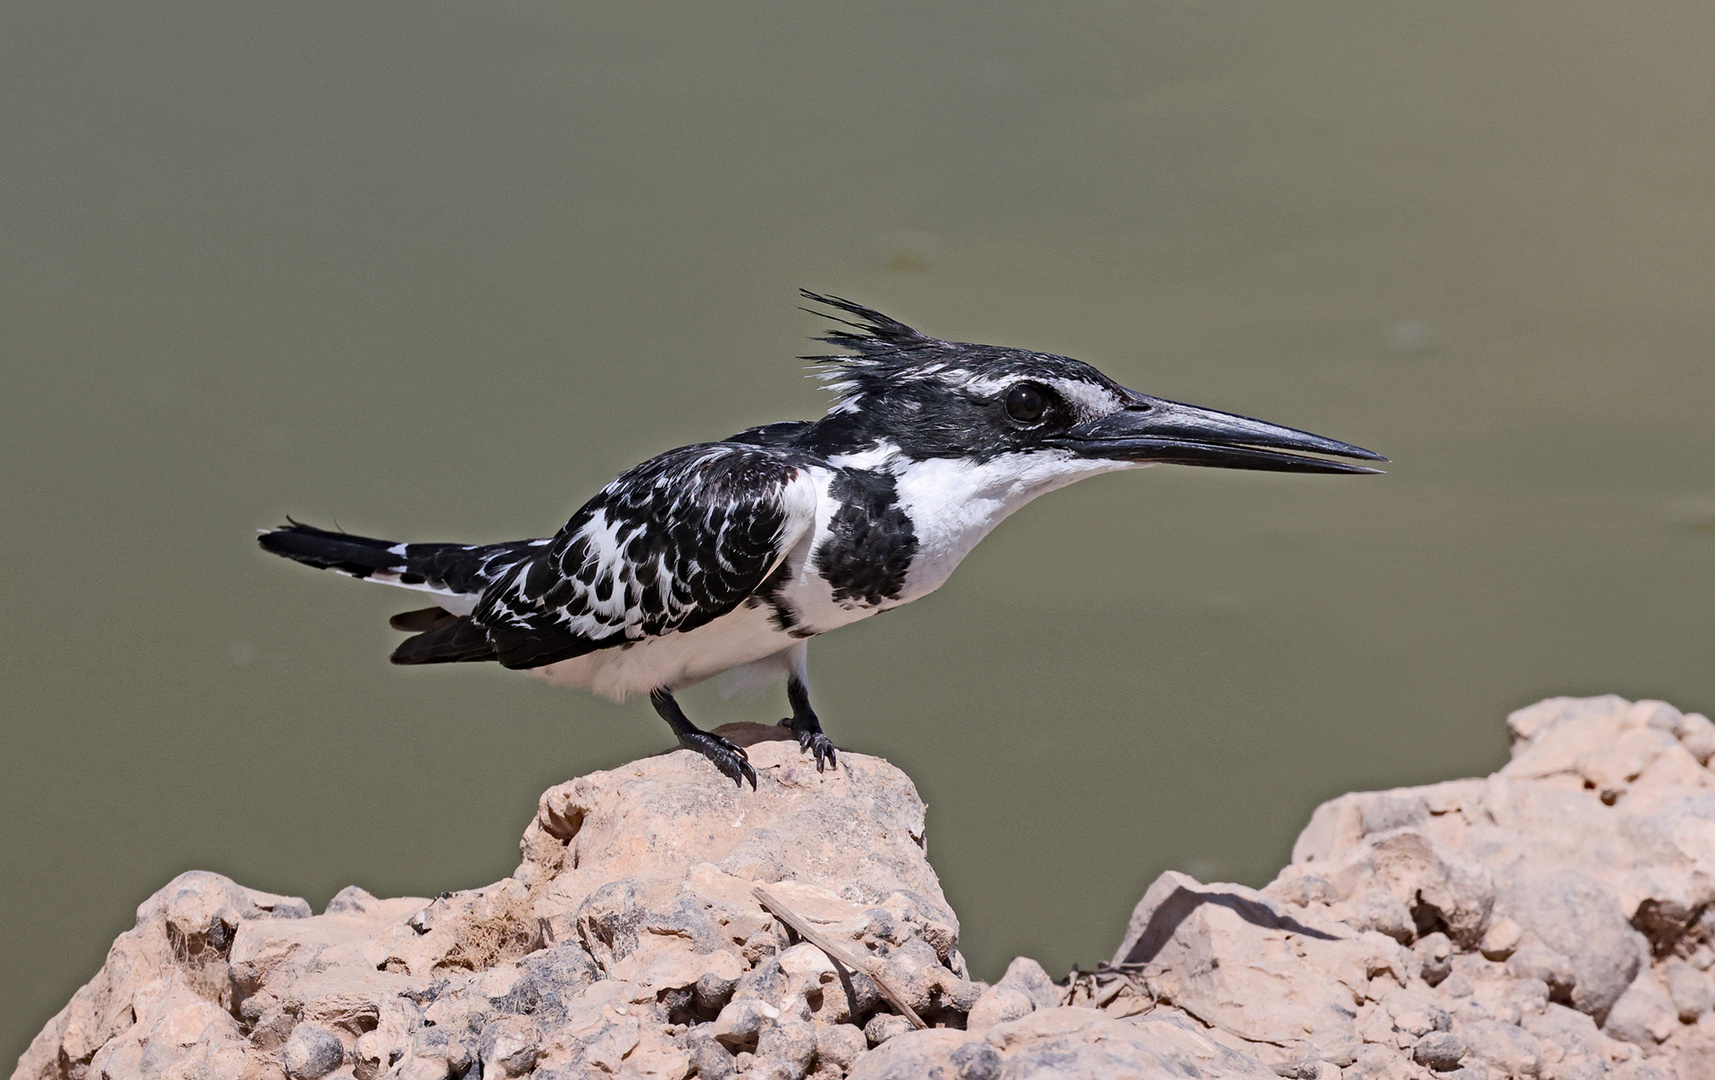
729,556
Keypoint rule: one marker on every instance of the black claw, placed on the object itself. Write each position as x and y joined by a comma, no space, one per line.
745,773
812,741
819,745
723,754
806,726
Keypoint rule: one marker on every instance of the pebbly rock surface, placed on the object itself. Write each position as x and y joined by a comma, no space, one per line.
1553,921
629,942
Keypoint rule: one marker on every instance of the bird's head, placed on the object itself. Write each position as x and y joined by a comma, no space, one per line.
948,399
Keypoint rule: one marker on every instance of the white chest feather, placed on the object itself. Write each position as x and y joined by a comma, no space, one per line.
954,503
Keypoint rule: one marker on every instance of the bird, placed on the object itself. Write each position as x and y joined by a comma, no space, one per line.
728,557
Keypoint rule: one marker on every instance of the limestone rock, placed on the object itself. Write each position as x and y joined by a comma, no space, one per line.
1062,1043
312,1052
1692,991
1644,1013
1439,1050
628,942
1555,914
163,997
1554,921
1285,985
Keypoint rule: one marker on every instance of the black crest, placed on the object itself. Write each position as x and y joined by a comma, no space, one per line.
877,334
931,398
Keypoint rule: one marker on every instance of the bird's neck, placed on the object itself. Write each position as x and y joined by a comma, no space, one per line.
953,503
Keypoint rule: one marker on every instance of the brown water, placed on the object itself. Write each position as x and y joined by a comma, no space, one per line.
438,272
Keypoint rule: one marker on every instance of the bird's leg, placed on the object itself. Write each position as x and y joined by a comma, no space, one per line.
727,756
806,726
803,721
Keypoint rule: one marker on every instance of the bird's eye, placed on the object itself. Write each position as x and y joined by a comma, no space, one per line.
1026,403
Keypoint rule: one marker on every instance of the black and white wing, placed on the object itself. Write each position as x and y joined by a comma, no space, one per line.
668,546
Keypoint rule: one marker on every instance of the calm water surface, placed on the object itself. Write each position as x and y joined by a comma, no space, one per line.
439,271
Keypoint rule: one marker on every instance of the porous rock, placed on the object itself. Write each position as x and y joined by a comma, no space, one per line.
1023,989
628,942
1557,916
1552,921
312,1052
1064,1043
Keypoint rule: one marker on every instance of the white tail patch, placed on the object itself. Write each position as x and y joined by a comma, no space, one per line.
455,603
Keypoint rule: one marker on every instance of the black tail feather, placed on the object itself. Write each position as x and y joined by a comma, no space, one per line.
359,556
453,641
429,618
440,636
454,568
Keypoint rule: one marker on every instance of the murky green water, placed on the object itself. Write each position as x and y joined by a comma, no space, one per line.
438,272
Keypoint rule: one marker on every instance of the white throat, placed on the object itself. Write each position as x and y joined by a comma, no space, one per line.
953,503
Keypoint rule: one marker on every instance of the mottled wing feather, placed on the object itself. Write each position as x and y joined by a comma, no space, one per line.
668,546
461,568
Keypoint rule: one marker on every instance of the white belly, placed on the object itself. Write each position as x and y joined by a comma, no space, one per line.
674,661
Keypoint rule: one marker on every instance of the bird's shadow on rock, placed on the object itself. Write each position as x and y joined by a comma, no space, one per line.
1179,905
747,733
742,733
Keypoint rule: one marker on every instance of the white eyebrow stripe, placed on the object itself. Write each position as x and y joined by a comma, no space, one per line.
985,385
1087,397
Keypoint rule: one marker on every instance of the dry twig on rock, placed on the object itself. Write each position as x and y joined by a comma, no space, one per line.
868,965
1099,988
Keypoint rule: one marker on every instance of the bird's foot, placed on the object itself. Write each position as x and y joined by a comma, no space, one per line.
726,755
812,741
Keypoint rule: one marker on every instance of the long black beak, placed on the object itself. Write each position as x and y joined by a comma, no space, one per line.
1154,429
